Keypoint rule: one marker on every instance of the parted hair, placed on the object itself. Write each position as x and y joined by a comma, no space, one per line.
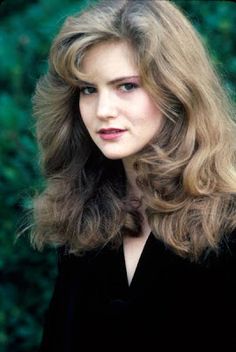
186,174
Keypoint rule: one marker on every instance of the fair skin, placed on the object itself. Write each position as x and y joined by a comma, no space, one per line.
114,97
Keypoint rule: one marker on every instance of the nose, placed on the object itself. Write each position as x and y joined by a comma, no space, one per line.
106,105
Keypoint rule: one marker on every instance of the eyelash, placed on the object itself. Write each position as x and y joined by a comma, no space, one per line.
133,86
83,89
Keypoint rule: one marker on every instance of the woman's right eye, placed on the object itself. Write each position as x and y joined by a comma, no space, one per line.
87,90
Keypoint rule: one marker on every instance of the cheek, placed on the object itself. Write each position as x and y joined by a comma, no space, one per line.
81,108
153,113
147,111
84,113
151,108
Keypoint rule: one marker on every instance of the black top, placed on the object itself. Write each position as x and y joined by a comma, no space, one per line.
171,302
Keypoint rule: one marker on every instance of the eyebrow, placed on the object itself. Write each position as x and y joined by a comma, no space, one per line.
113,81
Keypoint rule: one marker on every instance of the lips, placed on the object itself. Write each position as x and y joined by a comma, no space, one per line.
111,134
110,130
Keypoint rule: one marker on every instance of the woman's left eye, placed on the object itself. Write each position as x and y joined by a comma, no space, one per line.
127,87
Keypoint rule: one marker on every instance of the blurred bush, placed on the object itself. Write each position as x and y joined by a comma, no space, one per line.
26,31
26,276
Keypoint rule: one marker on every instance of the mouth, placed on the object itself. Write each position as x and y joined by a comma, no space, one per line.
110,130
111,133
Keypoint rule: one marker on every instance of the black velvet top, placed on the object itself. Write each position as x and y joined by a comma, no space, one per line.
171,303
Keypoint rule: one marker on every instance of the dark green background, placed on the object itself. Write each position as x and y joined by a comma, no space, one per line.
26,31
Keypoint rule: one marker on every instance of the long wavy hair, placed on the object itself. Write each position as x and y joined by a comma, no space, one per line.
186,174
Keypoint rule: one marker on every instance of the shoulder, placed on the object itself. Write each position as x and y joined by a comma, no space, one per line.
69,262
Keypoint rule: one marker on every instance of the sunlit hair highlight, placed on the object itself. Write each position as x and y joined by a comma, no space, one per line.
187,174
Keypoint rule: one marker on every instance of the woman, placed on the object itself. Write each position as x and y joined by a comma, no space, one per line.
138,151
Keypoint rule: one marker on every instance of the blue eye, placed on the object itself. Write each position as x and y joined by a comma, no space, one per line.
127,87
87,90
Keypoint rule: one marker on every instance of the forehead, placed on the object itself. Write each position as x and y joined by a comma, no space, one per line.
109,59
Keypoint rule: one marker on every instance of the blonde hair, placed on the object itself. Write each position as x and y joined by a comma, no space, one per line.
187,174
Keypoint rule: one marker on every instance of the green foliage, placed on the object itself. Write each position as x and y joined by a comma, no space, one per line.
26,31
215,20
26,276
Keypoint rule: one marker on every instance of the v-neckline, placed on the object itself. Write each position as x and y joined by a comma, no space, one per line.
139,263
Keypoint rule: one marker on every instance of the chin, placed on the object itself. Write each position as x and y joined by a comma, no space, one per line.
116,152
112,157
116,156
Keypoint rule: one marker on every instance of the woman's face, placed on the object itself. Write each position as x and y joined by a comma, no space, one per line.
119,114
